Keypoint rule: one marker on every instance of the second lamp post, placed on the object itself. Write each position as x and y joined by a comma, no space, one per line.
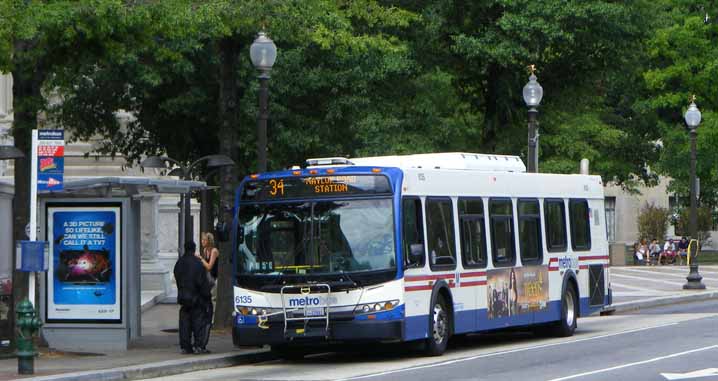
263,53
533,92
693,119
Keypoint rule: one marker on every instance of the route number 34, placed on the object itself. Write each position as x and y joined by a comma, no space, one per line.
277,187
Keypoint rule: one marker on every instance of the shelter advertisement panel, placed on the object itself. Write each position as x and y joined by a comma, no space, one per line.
517,290
84,274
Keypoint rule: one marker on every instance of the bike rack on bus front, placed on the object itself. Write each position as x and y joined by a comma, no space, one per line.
308,312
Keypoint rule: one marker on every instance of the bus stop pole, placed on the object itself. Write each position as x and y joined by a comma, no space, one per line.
32,234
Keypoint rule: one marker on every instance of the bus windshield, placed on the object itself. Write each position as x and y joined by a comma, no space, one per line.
317,237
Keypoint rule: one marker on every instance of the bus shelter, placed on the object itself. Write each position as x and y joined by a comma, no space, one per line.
90,297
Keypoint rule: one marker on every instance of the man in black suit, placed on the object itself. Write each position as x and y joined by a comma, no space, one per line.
193,294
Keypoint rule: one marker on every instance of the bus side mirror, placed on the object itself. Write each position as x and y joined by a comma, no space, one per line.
416,253
222,231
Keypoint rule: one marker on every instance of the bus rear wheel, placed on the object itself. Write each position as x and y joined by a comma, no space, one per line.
439,328
569,313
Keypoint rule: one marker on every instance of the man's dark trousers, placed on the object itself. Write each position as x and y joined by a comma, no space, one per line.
192,324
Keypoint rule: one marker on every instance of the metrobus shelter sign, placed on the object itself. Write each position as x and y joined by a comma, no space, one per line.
50,159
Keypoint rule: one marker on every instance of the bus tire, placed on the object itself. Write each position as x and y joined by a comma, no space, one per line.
569,313
439,327
287,352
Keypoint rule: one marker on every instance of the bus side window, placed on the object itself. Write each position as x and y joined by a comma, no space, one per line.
502,232
530,232
580,226
472,232
440,233
555,221
412,231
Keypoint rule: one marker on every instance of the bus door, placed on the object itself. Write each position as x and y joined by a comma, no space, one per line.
472,241
414,262
442,253
505,289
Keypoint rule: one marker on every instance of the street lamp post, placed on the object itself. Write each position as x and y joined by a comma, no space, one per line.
185,173
263,53
533,92
693,119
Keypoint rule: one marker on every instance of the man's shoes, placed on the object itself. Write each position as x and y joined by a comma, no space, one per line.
201,351
186,351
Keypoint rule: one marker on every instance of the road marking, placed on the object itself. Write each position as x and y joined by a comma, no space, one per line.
648,279
448,362
634,363
695,374
681,275
621,285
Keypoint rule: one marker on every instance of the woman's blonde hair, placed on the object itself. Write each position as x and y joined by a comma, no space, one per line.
210,239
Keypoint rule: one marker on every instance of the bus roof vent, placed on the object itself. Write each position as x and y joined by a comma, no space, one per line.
318,162
447,160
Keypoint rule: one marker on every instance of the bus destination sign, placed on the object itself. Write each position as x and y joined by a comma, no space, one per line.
315,186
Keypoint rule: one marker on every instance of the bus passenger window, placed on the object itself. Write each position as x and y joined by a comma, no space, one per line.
580,227
502,232
440,233
472,233
555,220
530,232
412,230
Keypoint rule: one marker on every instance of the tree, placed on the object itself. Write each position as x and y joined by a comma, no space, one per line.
590,57
705,223
653,222
679,51
30,34
184,73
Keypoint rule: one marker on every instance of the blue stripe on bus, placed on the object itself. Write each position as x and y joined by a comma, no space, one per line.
416,327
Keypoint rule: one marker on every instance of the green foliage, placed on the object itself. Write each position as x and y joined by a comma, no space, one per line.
683,55
653,222
705,223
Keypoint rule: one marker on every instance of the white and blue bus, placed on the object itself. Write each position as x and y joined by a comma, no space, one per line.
415,248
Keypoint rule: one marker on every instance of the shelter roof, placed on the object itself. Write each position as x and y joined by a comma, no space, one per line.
126,186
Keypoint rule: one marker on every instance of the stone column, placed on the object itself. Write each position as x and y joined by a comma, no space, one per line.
6,117
155,276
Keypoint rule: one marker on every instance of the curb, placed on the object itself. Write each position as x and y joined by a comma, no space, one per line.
661,301
164,368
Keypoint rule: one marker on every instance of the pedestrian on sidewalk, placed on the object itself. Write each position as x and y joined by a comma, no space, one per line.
641,252
193,293
682,249
655,252
209,256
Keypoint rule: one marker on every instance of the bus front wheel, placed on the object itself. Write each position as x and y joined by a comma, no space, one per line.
439,328
569,313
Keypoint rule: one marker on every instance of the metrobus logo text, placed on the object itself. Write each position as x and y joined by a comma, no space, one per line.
306,301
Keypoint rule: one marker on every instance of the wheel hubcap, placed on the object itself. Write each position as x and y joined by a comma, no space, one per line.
570,310
440,323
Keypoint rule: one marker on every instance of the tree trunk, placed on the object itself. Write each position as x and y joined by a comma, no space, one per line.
26,99
229,144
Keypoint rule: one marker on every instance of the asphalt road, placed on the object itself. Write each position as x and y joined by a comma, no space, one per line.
654,344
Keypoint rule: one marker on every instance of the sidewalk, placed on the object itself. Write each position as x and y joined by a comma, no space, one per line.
157,352
636,287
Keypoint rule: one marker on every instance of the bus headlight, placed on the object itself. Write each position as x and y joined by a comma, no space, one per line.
376,307
255,311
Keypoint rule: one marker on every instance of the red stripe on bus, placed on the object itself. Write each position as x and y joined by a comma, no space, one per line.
552,260
592,258
417,288
469,275
583,267
428,277
553,269
477,283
